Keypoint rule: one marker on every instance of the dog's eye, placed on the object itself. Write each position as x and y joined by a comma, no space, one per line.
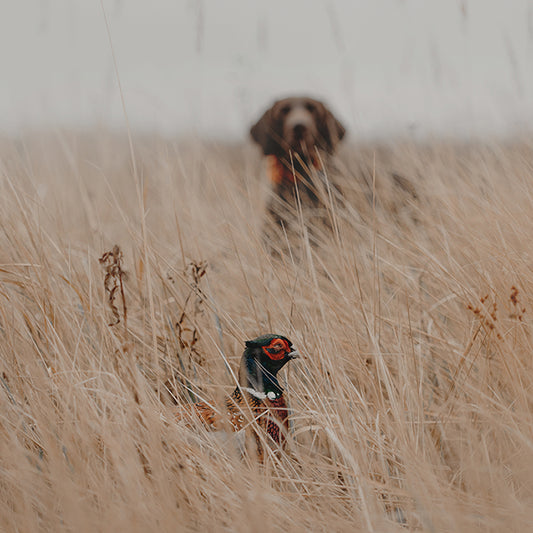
310,107
285,109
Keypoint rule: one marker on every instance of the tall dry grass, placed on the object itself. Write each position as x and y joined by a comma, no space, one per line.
411,408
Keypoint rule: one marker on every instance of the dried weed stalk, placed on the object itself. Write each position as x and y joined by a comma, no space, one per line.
487,312
186,331
114,282
188,335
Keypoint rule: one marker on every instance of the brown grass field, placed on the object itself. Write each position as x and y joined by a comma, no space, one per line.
412,403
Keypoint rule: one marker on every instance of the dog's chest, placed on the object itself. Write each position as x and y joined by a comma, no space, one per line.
289,182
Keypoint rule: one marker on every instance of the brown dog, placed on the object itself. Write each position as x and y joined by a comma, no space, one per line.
296,134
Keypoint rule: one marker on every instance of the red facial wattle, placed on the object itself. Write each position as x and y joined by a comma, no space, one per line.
277,349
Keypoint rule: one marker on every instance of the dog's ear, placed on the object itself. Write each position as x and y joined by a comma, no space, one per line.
263,132
331,130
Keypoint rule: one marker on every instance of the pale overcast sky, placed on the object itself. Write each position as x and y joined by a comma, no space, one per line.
210,67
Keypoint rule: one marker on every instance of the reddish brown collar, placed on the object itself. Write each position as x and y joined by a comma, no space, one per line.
279,174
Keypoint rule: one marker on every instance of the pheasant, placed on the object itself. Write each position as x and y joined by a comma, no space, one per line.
257,403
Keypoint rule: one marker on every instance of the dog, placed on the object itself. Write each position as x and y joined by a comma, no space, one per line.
297,135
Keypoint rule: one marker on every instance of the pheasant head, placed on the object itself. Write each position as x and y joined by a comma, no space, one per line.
262,359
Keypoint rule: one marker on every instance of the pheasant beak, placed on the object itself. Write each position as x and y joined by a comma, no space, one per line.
294,355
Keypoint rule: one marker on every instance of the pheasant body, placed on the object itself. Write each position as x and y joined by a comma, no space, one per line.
257,405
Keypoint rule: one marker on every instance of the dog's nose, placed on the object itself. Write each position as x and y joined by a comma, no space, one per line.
299,130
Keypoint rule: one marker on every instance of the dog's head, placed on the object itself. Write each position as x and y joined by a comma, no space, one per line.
298,125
